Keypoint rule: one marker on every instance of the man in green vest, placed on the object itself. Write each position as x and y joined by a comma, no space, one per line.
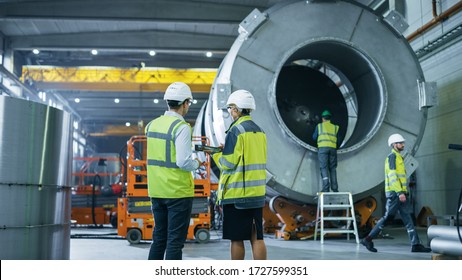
170,181
325,135
242,185
396,193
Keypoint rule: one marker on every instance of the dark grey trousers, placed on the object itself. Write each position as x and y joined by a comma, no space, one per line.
328,165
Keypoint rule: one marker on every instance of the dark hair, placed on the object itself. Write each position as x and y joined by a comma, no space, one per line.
245,112
174,104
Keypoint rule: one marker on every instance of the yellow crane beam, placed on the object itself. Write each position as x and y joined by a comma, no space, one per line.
117,79
121,130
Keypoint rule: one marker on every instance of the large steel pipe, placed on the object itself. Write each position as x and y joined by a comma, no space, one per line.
443,232
35,165
450,247
301,57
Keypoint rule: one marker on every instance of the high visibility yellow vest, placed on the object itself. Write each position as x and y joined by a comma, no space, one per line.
243,165
165,178
395,173
327,135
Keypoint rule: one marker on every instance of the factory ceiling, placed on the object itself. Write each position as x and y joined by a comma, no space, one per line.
141,45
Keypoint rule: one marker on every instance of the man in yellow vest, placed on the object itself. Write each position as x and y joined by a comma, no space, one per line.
242,185
170,181
325,135
396,193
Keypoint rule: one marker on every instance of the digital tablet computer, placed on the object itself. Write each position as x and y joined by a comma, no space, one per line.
207,148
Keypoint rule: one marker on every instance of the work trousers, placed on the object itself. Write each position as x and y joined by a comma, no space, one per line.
171,222
393,206
328,165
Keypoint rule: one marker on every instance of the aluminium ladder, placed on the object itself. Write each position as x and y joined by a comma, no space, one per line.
335,202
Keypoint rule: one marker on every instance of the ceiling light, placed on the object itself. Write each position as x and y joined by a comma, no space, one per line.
208,54
117,100
152,53
42,95
35,51
156,100
77,100
127,124
94,52
195,101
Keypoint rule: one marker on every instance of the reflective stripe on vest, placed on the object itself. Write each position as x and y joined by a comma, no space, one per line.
395,173
243,172
327,135
165,178
169,139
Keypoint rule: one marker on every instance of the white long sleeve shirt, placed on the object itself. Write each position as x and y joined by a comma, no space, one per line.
183,144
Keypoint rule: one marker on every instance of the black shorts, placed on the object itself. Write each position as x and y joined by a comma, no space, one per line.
238,223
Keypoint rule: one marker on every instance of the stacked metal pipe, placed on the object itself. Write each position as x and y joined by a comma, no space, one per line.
445,240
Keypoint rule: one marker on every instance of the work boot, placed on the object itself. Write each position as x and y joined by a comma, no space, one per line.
369,245
419,248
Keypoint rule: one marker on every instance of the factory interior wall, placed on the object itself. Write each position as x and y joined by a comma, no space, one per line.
438,179
439,175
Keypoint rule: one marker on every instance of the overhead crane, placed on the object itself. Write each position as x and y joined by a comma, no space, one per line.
116,79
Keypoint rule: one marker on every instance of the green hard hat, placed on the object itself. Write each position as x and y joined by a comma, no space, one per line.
326,113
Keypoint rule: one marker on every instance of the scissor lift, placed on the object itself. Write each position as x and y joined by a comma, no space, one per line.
135,220
96,189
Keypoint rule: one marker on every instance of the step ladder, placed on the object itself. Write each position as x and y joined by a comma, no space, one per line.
335,201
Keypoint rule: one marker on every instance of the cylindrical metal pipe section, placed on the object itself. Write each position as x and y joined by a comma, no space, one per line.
450,247
35,166
444,232
301,57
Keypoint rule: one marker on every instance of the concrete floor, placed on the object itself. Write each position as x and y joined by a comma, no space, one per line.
104,244
102,251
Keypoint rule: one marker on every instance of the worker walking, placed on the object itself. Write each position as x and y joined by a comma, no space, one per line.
170,181
396,193
326,136
242,185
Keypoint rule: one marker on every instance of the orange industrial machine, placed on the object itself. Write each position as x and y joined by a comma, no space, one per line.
298,221
97,184
135,220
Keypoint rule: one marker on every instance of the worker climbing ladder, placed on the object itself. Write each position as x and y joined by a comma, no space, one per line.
332,203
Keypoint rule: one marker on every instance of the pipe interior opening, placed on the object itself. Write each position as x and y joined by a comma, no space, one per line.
334,76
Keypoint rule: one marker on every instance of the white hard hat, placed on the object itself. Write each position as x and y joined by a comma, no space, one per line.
242,99
395,138
178,91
